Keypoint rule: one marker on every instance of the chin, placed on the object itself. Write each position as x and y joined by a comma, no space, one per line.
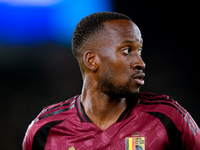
135,90
132,93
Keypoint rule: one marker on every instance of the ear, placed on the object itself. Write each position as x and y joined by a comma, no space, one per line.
90,60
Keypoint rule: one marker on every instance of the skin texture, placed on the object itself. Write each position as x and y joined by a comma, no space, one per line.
112,70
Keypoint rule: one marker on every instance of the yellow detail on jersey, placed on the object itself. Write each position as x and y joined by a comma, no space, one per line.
71,148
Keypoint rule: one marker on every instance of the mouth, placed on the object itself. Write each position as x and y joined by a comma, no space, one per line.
139,78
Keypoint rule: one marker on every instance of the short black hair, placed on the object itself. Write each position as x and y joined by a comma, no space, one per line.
90,25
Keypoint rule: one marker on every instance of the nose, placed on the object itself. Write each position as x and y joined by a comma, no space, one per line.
138,63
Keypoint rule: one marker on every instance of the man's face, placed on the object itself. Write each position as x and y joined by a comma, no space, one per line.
120,70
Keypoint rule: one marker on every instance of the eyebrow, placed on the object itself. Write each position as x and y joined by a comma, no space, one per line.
131,41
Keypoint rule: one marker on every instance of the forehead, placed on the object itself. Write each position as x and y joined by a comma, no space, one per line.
122,30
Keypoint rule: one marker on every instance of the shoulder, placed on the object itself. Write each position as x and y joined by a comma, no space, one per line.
164,105
50,116
153,96
172,115
157,101
161,106
57,108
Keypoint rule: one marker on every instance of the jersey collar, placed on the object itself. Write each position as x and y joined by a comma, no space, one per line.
82,115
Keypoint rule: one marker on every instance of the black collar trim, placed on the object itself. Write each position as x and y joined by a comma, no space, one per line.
82,115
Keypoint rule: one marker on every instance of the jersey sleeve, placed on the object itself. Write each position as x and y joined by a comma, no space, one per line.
28,138
191,133
52,115
180,117
30,132
188,127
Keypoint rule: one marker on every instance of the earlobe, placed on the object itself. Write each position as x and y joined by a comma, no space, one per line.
89,59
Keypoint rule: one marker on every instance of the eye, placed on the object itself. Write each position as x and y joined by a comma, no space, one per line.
140,51
126,50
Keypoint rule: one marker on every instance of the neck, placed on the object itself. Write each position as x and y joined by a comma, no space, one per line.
100,108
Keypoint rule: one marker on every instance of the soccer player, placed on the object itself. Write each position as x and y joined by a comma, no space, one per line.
111,113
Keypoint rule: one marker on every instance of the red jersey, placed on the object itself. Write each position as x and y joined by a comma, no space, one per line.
157,122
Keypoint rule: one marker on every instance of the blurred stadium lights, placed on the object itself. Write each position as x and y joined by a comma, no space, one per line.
29,22
30,2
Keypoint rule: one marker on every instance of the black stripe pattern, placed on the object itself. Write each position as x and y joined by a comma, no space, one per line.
153,99
41,135
167,100
64,104
55,112
174,135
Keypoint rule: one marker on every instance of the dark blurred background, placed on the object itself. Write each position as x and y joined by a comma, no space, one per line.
37,67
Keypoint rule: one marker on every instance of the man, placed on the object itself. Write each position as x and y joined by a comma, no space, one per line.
111,113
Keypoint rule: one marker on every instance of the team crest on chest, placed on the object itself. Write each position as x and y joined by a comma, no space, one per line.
135,143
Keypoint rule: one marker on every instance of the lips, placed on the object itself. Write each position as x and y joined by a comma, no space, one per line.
139,78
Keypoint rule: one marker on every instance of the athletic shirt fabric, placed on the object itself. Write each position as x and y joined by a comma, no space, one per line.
161,120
